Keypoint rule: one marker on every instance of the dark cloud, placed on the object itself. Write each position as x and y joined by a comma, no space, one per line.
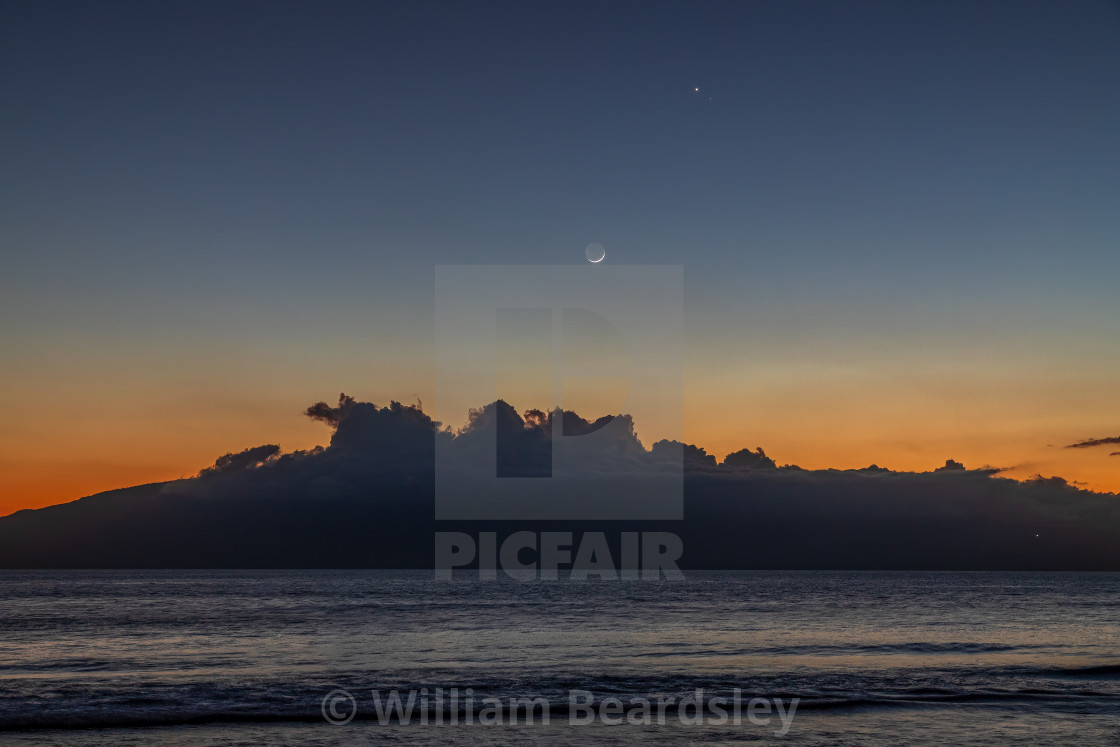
389,433
694,457
331,415
367,500
1088,443
747,459
874,469
253,457
1038,479
522,446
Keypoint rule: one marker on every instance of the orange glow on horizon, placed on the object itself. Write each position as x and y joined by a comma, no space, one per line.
40,482
62,447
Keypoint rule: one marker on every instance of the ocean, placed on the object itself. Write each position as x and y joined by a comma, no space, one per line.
316,657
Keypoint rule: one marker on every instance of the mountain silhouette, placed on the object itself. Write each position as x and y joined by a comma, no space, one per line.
367,501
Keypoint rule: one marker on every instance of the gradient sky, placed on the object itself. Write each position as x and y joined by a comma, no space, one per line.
898,222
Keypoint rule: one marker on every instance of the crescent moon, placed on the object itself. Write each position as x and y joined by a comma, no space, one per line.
595,253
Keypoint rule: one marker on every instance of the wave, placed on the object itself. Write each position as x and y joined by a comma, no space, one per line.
1105,670
916,647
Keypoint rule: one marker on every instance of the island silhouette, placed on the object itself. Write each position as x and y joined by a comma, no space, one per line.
366,501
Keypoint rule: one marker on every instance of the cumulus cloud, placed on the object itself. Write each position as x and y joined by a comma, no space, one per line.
745,458
694,457
400,439
253,457
331,415
367,500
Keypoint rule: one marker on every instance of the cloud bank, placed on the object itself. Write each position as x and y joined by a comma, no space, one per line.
366,500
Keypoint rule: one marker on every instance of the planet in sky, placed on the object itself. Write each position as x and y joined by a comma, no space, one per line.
595,253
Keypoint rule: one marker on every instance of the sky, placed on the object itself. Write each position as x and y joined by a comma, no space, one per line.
897,222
